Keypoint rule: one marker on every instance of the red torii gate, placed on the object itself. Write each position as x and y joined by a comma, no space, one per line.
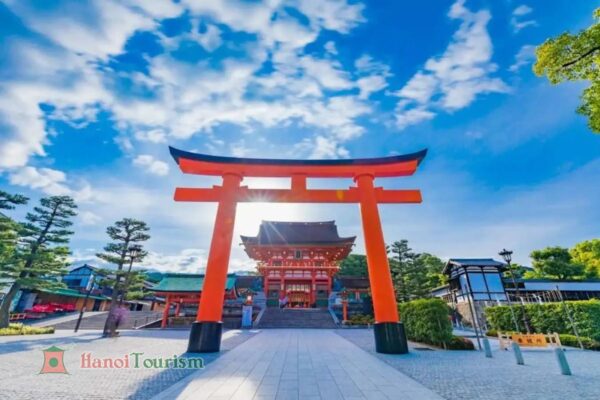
205,335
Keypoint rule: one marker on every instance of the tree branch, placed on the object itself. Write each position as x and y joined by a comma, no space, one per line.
581,57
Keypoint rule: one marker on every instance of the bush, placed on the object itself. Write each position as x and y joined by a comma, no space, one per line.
427,321
20,329
360,319
460,343
549,317
571,340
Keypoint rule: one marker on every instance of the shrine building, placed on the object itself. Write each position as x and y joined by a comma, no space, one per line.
298,260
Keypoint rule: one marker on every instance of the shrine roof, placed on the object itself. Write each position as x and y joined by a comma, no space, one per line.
297,233
204,164
173,282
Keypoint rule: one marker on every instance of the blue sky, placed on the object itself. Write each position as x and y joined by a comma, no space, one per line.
93,92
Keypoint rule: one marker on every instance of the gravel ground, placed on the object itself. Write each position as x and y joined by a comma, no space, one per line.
469,375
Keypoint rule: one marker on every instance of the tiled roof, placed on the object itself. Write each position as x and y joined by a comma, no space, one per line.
353,282
172,282
297,233
472,262
479,262
71,293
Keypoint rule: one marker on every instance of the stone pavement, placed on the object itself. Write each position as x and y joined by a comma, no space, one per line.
300,364
21,360
469,375
289,364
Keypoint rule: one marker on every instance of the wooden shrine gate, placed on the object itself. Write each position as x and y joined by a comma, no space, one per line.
205,335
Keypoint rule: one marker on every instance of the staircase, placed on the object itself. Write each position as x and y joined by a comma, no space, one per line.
134,319
297,318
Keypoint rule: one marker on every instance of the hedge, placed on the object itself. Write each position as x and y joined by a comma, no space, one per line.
426,321
20,329
549,317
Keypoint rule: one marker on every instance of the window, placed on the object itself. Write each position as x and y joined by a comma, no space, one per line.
494,283
477,282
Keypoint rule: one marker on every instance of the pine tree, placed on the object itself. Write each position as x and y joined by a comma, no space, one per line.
8,227
127,235
41,252
400,264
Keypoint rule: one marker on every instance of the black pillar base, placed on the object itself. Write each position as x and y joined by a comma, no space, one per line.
205,337
390,338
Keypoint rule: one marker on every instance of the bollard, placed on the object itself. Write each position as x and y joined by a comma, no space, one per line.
562,361
518,354
487,347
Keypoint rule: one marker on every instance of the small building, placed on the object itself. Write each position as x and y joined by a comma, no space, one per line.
298,260
475,283
472,283
181,294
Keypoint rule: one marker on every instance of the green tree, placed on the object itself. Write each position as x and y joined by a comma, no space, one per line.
354,265
401,266
555,263
127,236
518,270
41,252
431,266
587,253
569,57
8,227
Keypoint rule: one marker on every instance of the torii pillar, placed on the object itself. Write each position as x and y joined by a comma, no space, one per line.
205,335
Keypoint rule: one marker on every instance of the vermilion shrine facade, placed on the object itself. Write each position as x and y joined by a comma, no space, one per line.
205,335
298,260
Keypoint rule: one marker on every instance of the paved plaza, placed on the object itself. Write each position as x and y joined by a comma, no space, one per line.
289,364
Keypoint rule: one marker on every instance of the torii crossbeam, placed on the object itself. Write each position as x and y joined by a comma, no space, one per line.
205,335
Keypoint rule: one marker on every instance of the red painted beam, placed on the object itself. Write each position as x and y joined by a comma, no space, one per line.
402,168
245,194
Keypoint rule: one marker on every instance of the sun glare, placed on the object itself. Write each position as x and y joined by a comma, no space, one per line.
249,215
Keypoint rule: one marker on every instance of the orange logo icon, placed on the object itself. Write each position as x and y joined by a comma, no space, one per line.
53,361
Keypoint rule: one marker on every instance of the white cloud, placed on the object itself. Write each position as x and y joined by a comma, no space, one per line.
97,32
453,80
153,136
519,19
49,181
412,116
187,260
321,147
524,56
151,165
373,76
88,218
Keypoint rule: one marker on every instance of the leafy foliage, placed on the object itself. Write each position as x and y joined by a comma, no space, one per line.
401,263
554,263
8,227
587,253
360,319
569,57
517,270
571,340
354,265
550,317
126,248
426,321
414,275
20,329
41,251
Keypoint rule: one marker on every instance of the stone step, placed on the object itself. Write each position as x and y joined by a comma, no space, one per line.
133,320
297,318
